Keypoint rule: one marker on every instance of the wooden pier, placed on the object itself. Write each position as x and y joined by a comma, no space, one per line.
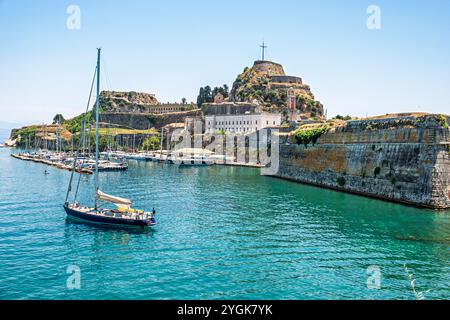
50,163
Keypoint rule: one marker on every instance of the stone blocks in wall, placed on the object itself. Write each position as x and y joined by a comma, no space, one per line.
409,165
144,121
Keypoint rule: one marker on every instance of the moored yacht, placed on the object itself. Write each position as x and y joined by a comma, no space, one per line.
123,214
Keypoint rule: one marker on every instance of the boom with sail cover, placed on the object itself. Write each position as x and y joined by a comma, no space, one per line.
120,202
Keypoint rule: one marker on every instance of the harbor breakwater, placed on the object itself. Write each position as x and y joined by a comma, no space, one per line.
398,159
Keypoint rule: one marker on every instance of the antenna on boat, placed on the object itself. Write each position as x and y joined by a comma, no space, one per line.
97,104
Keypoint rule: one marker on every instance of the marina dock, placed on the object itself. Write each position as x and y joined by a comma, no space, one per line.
56,164
85,165
64,161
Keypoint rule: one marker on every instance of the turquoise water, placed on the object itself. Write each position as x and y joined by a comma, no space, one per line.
223,233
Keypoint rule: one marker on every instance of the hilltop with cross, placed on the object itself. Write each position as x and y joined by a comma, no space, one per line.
263,49
267,83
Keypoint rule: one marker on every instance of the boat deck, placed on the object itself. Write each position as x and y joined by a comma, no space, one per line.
110,217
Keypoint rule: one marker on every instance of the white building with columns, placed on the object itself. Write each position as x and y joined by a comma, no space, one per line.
241,123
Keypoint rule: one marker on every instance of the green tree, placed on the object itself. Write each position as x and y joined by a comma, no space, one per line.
58,119
151,143
226,91
201,97
206,94
339,117
310,135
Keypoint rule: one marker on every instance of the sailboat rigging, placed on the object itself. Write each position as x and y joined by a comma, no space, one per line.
123,215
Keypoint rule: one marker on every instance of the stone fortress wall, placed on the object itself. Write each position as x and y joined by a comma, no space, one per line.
268,67
143,121
394,159
138,102
286,79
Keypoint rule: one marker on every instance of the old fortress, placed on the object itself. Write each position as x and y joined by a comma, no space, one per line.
261,96
137,102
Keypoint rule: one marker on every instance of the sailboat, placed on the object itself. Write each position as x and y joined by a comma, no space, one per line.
123,214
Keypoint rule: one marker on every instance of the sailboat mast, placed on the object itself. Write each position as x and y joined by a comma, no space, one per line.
161,143
97,104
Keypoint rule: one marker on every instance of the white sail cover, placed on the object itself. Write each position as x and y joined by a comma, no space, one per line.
120,202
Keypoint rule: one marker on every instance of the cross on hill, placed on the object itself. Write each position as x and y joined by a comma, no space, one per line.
263,46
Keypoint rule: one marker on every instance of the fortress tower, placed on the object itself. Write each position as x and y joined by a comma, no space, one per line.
267,82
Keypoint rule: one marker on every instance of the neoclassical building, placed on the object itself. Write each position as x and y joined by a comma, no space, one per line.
237,117
241,123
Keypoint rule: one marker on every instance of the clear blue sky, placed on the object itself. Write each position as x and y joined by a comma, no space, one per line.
171,48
